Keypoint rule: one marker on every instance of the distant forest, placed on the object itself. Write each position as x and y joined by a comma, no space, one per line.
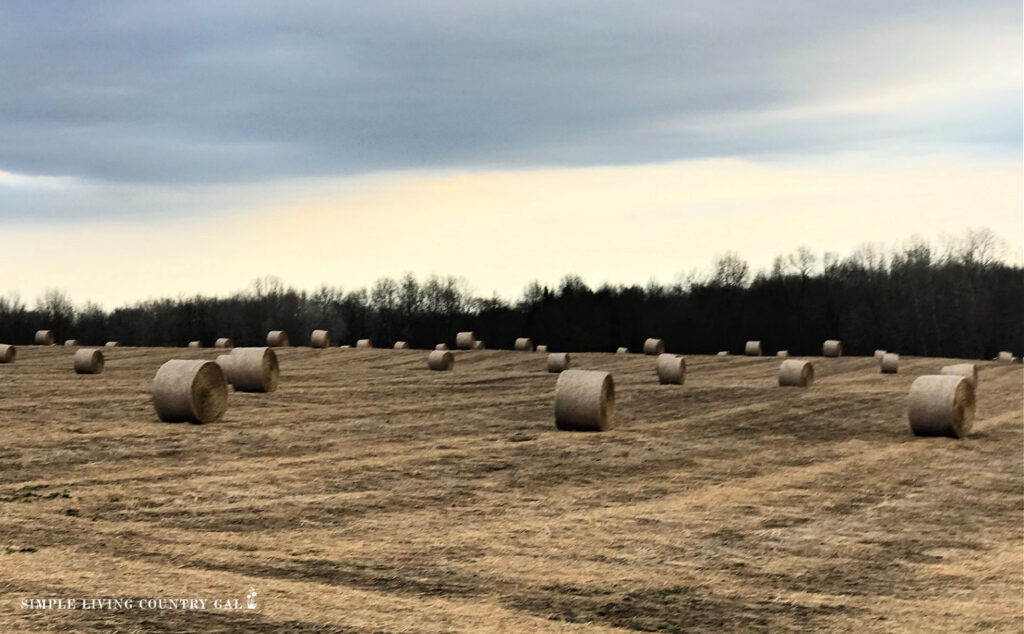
958,301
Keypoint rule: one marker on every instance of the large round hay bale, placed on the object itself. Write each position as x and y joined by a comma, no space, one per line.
44,338
251,369
195,344
320,339
364,343
345,347
465,340
479,345
722,353
890,363
223,343
654,347
278,339
879,354
832,348
752,349
782,354
541,348
966,370
671,369
8,353
441,346
558,362
440,360
71,343
622,350
524,344
941,405
88,361
401,345
193,391
112,344
796,373
1003,356
584,401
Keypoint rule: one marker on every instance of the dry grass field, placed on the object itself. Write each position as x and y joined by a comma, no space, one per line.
369,494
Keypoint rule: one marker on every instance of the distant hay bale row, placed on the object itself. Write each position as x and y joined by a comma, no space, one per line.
523,344
832,348
440,360
320,339
44,338
941,405
796,373
889,363
8,353
558,361
364,343
190,391
584,401
966,370
401,345
465,340
251,369
278,339
222,343
88,361
671,369
752,349
654,347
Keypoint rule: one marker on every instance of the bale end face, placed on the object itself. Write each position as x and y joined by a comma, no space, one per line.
941,405
752,349
440,360
190,391
889,363
584,401
796,373
8,353
558,362
654,347
88,361
671,369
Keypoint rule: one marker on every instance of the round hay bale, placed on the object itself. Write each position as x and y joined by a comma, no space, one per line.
890,363
465,340
278,339
112,344
622,350
440,360
195,344
345,347
251,369
752,349
524,344
967,370
44,338
479,345
541,348
879,354
796,373
194,391
401,345
654,347
1003,356
558,362
782,354
71,343
832,348
722,353
364,343
671,369
223,343
941,405
320,339
584,401
441,346
88,361
8,353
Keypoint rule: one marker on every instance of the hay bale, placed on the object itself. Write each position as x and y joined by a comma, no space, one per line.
465,340
195,344
71,343
890,363
479,345
251,369
364,343
967,370
558,362
584,401
832,348
542,348
879,354
345,347
88,361
941,405
671,369
194,391
112,344
1004,356
278,339
782,354
44,338
441,346
8,353
223,343
622,350
796,373
752,349
722,353
320,339
524,344
440,360
654,347
401,345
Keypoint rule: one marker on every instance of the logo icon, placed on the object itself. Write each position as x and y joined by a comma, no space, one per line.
250,598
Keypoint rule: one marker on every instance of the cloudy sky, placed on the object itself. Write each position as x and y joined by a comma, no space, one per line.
151,149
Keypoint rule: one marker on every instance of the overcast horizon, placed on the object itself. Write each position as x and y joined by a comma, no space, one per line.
156,150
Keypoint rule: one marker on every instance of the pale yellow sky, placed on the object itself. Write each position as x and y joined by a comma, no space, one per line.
500,230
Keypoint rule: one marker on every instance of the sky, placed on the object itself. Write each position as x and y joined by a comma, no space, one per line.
161,149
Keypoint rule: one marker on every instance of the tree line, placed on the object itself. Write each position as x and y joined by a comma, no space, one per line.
960,301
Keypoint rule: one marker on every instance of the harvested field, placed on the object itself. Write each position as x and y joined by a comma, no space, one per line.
370,494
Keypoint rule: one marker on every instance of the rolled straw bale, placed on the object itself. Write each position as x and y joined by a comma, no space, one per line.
465,340
7,353
222,342
441,346
879,353
584,401
941,405
71,343
278,339
832,348
542,348
622,350
364,343
345,347
479,345
195,344
782,353
671,369
112,344
558,362
752,349
654,347
44,338
193,391
1003,356
524,344
401,345
320,339
440,360
722,353
251,369
796,373
88,361
967,370
890,363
